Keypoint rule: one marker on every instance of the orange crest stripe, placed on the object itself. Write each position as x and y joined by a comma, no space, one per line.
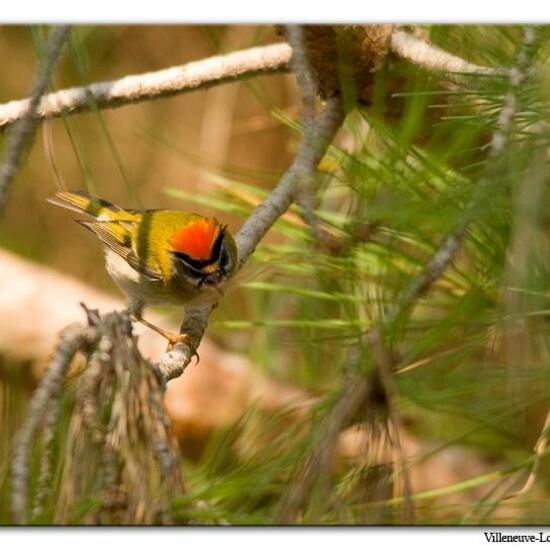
196,239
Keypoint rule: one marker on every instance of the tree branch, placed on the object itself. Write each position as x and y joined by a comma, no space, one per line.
167,82
432,58
216,70
172,364
305,78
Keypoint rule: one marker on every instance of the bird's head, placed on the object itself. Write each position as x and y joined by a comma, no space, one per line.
203,252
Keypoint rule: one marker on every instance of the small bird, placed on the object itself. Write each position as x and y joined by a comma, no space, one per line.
158,256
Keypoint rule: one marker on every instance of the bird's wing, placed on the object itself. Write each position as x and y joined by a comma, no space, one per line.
116,235
84,203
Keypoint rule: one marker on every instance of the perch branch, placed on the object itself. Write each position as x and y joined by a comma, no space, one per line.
22,132
173,363
167,82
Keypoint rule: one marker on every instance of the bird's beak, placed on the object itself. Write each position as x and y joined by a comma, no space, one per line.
213,281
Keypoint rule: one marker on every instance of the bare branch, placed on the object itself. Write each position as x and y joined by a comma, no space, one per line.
20,134
193,76
173,363
432,58
275,58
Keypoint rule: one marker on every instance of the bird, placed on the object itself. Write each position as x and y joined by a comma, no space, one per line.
167,257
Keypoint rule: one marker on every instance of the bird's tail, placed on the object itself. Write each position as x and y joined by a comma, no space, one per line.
84,203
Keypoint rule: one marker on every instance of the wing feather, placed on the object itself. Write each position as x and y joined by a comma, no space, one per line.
116,236
83,203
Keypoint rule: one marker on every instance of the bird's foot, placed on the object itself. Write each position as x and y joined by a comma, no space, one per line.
172,337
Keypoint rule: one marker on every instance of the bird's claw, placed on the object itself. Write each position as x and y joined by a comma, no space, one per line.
174,339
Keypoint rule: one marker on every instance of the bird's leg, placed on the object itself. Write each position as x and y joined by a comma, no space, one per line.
172,338
135,309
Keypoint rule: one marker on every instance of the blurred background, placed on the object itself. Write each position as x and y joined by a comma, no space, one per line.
472,381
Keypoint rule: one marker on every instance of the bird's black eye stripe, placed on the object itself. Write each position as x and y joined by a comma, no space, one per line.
196,264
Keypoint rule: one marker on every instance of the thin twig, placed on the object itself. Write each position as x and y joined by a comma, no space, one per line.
21,133
282,196
173,363
43,486
167,82
88,390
